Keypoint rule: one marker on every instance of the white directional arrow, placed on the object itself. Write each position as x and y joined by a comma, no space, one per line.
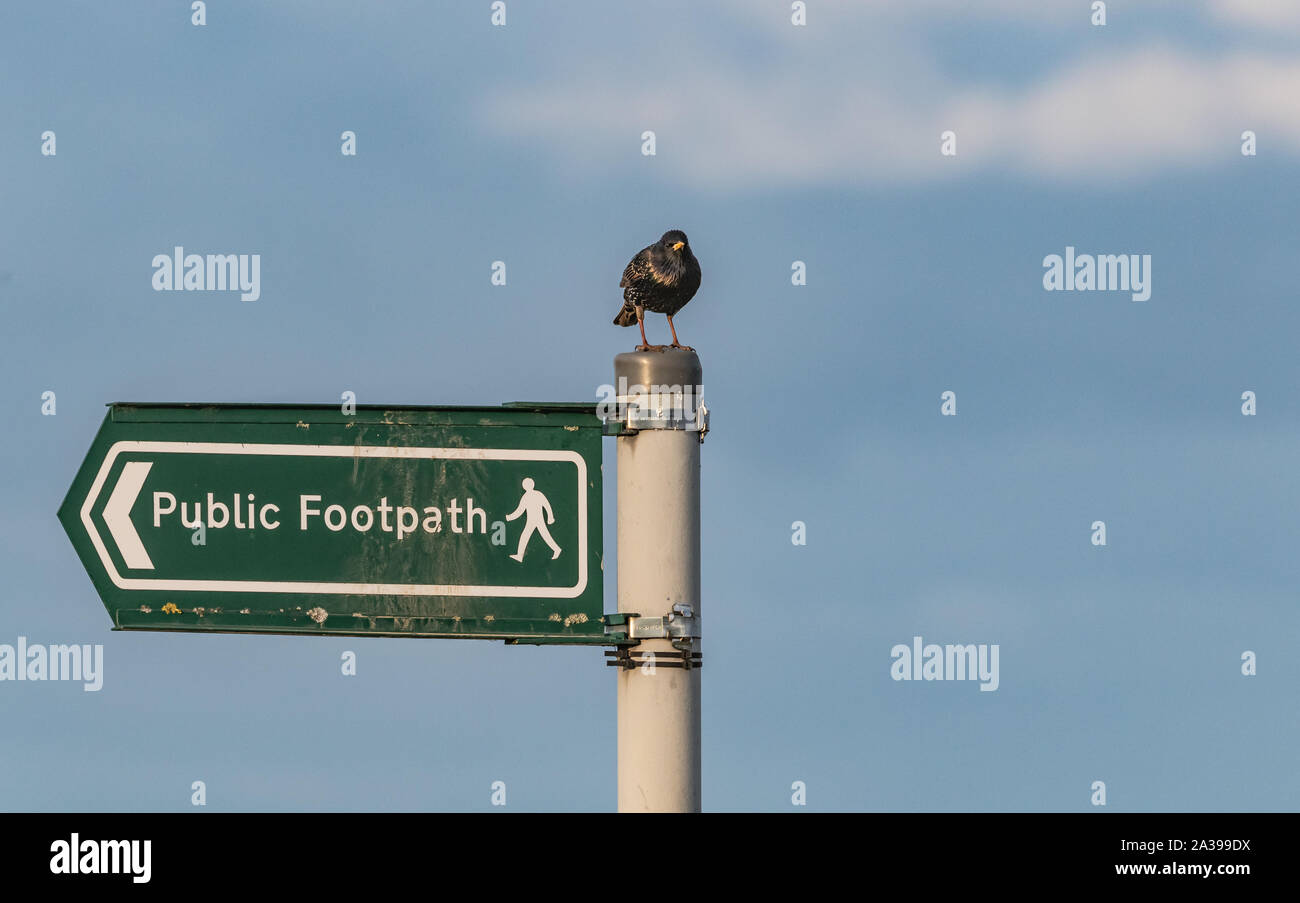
117,515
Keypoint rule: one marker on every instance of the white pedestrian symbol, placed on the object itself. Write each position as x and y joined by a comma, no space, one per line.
533,504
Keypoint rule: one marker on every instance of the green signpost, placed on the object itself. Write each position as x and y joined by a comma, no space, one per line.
476,522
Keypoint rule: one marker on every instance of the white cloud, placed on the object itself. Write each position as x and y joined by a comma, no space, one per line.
1138,113
1127,114
864,102
1258,13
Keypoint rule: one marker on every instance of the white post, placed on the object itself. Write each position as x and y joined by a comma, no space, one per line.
659,580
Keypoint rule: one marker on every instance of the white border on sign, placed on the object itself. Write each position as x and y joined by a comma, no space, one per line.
342,451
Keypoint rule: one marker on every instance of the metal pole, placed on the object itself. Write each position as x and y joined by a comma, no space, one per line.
659,582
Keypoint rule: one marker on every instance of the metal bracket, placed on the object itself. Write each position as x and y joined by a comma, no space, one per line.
628,657
680,626
657,411
636,419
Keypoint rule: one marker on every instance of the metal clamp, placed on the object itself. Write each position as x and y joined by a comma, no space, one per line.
631,419
629,657
680,626
661,411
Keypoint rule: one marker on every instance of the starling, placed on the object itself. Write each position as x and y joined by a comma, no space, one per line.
660,278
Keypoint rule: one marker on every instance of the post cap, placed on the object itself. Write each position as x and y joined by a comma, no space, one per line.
670,367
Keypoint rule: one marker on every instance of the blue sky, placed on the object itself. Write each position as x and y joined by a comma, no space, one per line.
774,144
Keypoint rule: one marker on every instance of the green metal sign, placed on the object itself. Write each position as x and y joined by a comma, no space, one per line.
432,521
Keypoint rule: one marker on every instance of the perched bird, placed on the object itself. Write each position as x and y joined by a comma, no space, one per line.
660,278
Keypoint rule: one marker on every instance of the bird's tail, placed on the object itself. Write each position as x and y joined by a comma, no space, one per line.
626,316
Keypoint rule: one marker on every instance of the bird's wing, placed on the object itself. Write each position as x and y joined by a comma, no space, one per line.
692,281
638,269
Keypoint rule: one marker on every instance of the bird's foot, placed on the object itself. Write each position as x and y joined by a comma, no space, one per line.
681,347
659,348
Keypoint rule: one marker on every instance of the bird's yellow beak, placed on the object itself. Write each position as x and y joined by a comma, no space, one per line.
678,245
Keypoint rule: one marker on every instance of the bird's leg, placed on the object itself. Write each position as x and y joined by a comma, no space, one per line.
677,344
640,321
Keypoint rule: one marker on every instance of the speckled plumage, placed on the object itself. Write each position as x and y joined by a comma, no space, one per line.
659,279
